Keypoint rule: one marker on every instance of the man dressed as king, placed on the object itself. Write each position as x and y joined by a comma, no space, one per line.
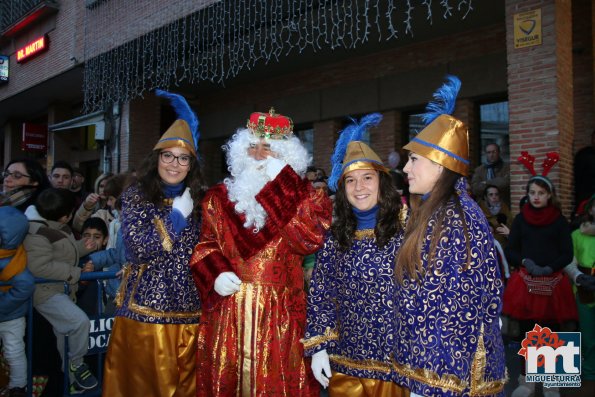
257,227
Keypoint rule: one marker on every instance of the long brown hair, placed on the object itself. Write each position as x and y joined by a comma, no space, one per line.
150,181
387,218
409,261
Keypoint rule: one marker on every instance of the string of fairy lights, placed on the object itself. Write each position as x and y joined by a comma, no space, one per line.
216,40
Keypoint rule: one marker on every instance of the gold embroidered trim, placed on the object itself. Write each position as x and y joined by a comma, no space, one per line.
168,201
147,311
317,340
448,382
479,387
166,242
364,233
366,365
404,215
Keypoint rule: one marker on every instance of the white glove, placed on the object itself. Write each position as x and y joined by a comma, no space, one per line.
227,283
274,166
321,367
184,203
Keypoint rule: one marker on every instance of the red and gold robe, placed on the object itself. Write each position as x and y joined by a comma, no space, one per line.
249,342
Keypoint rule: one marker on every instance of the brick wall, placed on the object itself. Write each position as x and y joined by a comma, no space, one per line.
131,19
540,96
386,81
325,133
141,130
566,110
387,136
65,41
466,112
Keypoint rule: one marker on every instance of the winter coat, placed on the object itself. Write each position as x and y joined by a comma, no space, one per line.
14,301
52,253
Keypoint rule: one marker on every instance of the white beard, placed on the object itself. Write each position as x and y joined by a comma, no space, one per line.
248,179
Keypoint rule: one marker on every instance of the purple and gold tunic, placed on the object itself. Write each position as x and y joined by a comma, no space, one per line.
448,339
152,349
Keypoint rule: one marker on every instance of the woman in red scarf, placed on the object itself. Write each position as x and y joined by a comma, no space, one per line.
540,245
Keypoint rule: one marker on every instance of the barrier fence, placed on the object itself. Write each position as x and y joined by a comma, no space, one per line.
99,333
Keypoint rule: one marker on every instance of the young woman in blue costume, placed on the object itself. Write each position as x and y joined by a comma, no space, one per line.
351,304
448,294
152,349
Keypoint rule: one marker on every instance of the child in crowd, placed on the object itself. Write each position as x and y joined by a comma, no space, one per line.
540,246
14,297
95,204
95,230
113,258
53,253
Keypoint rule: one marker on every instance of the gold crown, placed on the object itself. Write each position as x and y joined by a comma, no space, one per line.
270,125
177,135
444,141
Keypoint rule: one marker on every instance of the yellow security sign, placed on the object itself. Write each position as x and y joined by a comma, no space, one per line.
527,28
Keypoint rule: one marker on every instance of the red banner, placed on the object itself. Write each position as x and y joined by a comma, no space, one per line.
35,137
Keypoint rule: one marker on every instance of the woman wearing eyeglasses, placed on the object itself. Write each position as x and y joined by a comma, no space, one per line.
152,349
22,181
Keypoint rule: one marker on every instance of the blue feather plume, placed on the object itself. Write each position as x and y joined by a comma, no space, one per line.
184,112
444,100
353,132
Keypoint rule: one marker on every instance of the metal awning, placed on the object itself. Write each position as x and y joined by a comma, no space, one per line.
97,119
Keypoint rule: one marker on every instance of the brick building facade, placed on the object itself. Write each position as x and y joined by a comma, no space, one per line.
549,88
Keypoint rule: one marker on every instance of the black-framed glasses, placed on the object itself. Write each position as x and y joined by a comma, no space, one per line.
14,175
168,157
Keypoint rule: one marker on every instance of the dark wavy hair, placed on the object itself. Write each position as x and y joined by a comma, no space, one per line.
150,181
35,171
409,259
387,219
36,174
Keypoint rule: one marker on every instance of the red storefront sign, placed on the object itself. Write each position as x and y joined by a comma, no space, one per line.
35,137
33,48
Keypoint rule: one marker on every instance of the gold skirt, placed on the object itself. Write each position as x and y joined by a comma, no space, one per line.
341,385
150,360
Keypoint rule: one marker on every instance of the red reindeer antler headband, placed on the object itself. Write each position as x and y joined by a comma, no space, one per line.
551,158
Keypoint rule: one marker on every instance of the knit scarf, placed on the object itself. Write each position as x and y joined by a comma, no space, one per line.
15,266
540,216
16,197
491,169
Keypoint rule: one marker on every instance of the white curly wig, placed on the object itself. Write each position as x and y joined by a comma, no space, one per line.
247,174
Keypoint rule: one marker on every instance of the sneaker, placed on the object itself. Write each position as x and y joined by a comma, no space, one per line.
17,392
83,378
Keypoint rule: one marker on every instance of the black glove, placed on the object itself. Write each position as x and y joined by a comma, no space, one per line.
536,270
586,281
